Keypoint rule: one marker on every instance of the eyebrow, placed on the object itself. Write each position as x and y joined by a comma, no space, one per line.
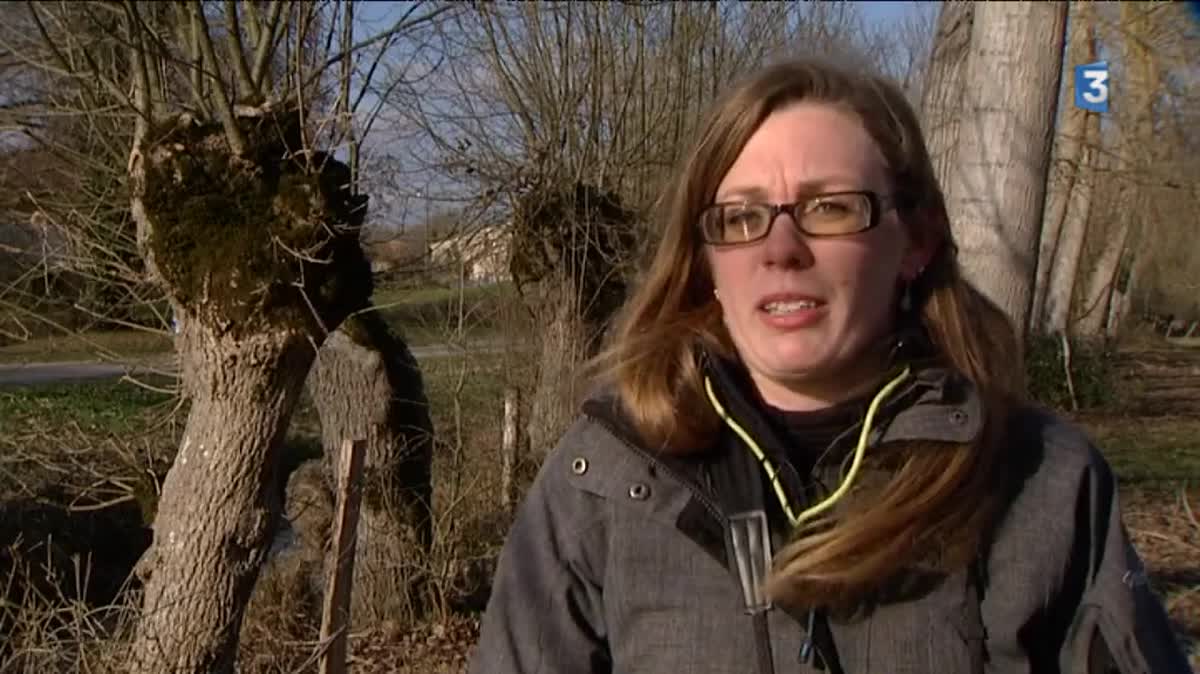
754,192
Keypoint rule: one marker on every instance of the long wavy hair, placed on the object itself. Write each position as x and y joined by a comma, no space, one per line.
941,497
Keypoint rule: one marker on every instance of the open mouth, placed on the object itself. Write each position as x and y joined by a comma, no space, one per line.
785,307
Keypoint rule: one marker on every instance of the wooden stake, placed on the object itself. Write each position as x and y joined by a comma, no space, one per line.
508,448
335,616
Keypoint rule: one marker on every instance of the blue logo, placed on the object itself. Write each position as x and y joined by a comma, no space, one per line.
1091,86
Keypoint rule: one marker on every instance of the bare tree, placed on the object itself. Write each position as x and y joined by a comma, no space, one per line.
1134,151
1069,190
252,232
996,190
564,117
1151,136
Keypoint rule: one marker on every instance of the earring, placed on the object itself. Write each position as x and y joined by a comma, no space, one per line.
717,294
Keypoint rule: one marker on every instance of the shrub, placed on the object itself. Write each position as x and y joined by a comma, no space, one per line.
1091,372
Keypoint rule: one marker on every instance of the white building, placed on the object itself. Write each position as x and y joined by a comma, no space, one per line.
479,255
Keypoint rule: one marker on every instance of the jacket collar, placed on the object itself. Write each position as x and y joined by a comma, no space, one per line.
936,404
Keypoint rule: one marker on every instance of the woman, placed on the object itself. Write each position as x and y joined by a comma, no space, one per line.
809,451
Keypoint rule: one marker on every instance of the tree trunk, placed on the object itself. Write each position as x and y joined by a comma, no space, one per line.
367,385
997,191
220,501
941,101
1066,167
571,248
1064,268
219,232
1101,282
565,343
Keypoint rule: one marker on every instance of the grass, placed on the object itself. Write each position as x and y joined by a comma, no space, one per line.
427,315
89,346
1150,452
1186,342
389,296
95,407
422,316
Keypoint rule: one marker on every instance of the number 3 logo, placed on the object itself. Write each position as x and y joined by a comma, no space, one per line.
1091,86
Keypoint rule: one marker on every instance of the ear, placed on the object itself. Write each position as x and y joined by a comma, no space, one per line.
922,243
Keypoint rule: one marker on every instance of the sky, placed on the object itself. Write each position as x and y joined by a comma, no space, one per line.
374,16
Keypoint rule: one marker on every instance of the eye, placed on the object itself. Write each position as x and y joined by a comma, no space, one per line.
738,216
833,205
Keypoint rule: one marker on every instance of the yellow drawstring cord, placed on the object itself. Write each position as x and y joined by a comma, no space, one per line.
773,472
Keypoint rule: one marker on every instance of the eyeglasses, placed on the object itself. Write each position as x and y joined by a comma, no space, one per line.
821,215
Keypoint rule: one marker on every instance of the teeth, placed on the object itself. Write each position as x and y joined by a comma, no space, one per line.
789,307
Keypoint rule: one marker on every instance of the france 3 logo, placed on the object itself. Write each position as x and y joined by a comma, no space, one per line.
1091,86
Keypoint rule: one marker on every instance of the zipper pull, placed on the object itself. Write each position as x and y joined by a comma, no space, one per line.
806,646
751,542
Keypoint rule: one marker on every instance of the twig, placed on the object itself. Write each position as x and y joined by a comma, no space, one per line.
1066,351
101,506
1187,508
1165,537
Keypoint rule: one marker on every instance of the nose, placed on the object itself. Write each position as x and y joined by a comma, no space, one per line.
785,246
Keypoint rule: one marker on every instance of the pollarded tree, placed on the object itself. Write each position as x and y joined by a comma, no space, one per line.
558,113
569,251
251,230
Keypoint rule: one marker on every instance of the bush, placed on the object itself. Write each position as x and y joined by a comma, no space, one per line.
1091,372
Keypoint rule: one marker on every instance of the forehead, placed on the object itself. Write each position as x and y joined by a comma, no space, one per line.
806,147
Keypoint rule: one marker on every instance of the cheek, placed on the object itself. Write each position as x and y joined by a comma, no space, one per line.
866,276
729,271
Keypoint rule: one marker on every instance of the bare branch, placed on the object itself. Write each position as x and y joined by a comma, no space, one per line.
237,52
196,75
268,36
233,134
141,82
64,67
402,25
344,99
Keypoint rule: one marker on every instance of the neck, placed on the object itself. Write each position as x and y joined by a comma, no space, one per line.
810,394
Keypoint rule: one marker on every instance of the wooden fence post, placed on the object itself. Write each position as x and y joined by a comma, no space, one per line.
335,615
508,447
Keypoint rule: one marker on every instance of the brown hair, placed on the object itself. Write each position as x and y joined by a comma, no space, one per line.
941,497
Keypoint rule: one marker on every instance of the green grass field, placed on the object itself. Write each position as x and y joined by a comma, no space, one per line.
423,316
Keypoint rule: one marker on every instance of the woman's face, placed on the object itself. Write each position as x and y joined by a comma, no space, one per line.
803,311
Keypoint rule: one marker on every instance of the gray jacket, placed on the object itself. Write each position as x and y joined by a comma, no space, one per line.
615,563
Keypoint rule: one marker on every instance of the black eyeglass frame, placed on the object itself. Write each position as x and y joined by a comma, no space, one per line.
877,203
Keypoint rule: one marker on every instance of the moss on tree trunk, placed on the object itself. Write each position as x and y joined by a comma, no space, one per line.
259,255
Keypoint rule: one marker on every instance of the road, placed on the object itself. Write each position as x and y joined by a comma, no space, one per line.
26,374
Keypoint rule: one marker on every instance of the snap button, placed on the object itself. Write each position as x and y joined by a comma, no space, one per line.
958,417
579,466
639,491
